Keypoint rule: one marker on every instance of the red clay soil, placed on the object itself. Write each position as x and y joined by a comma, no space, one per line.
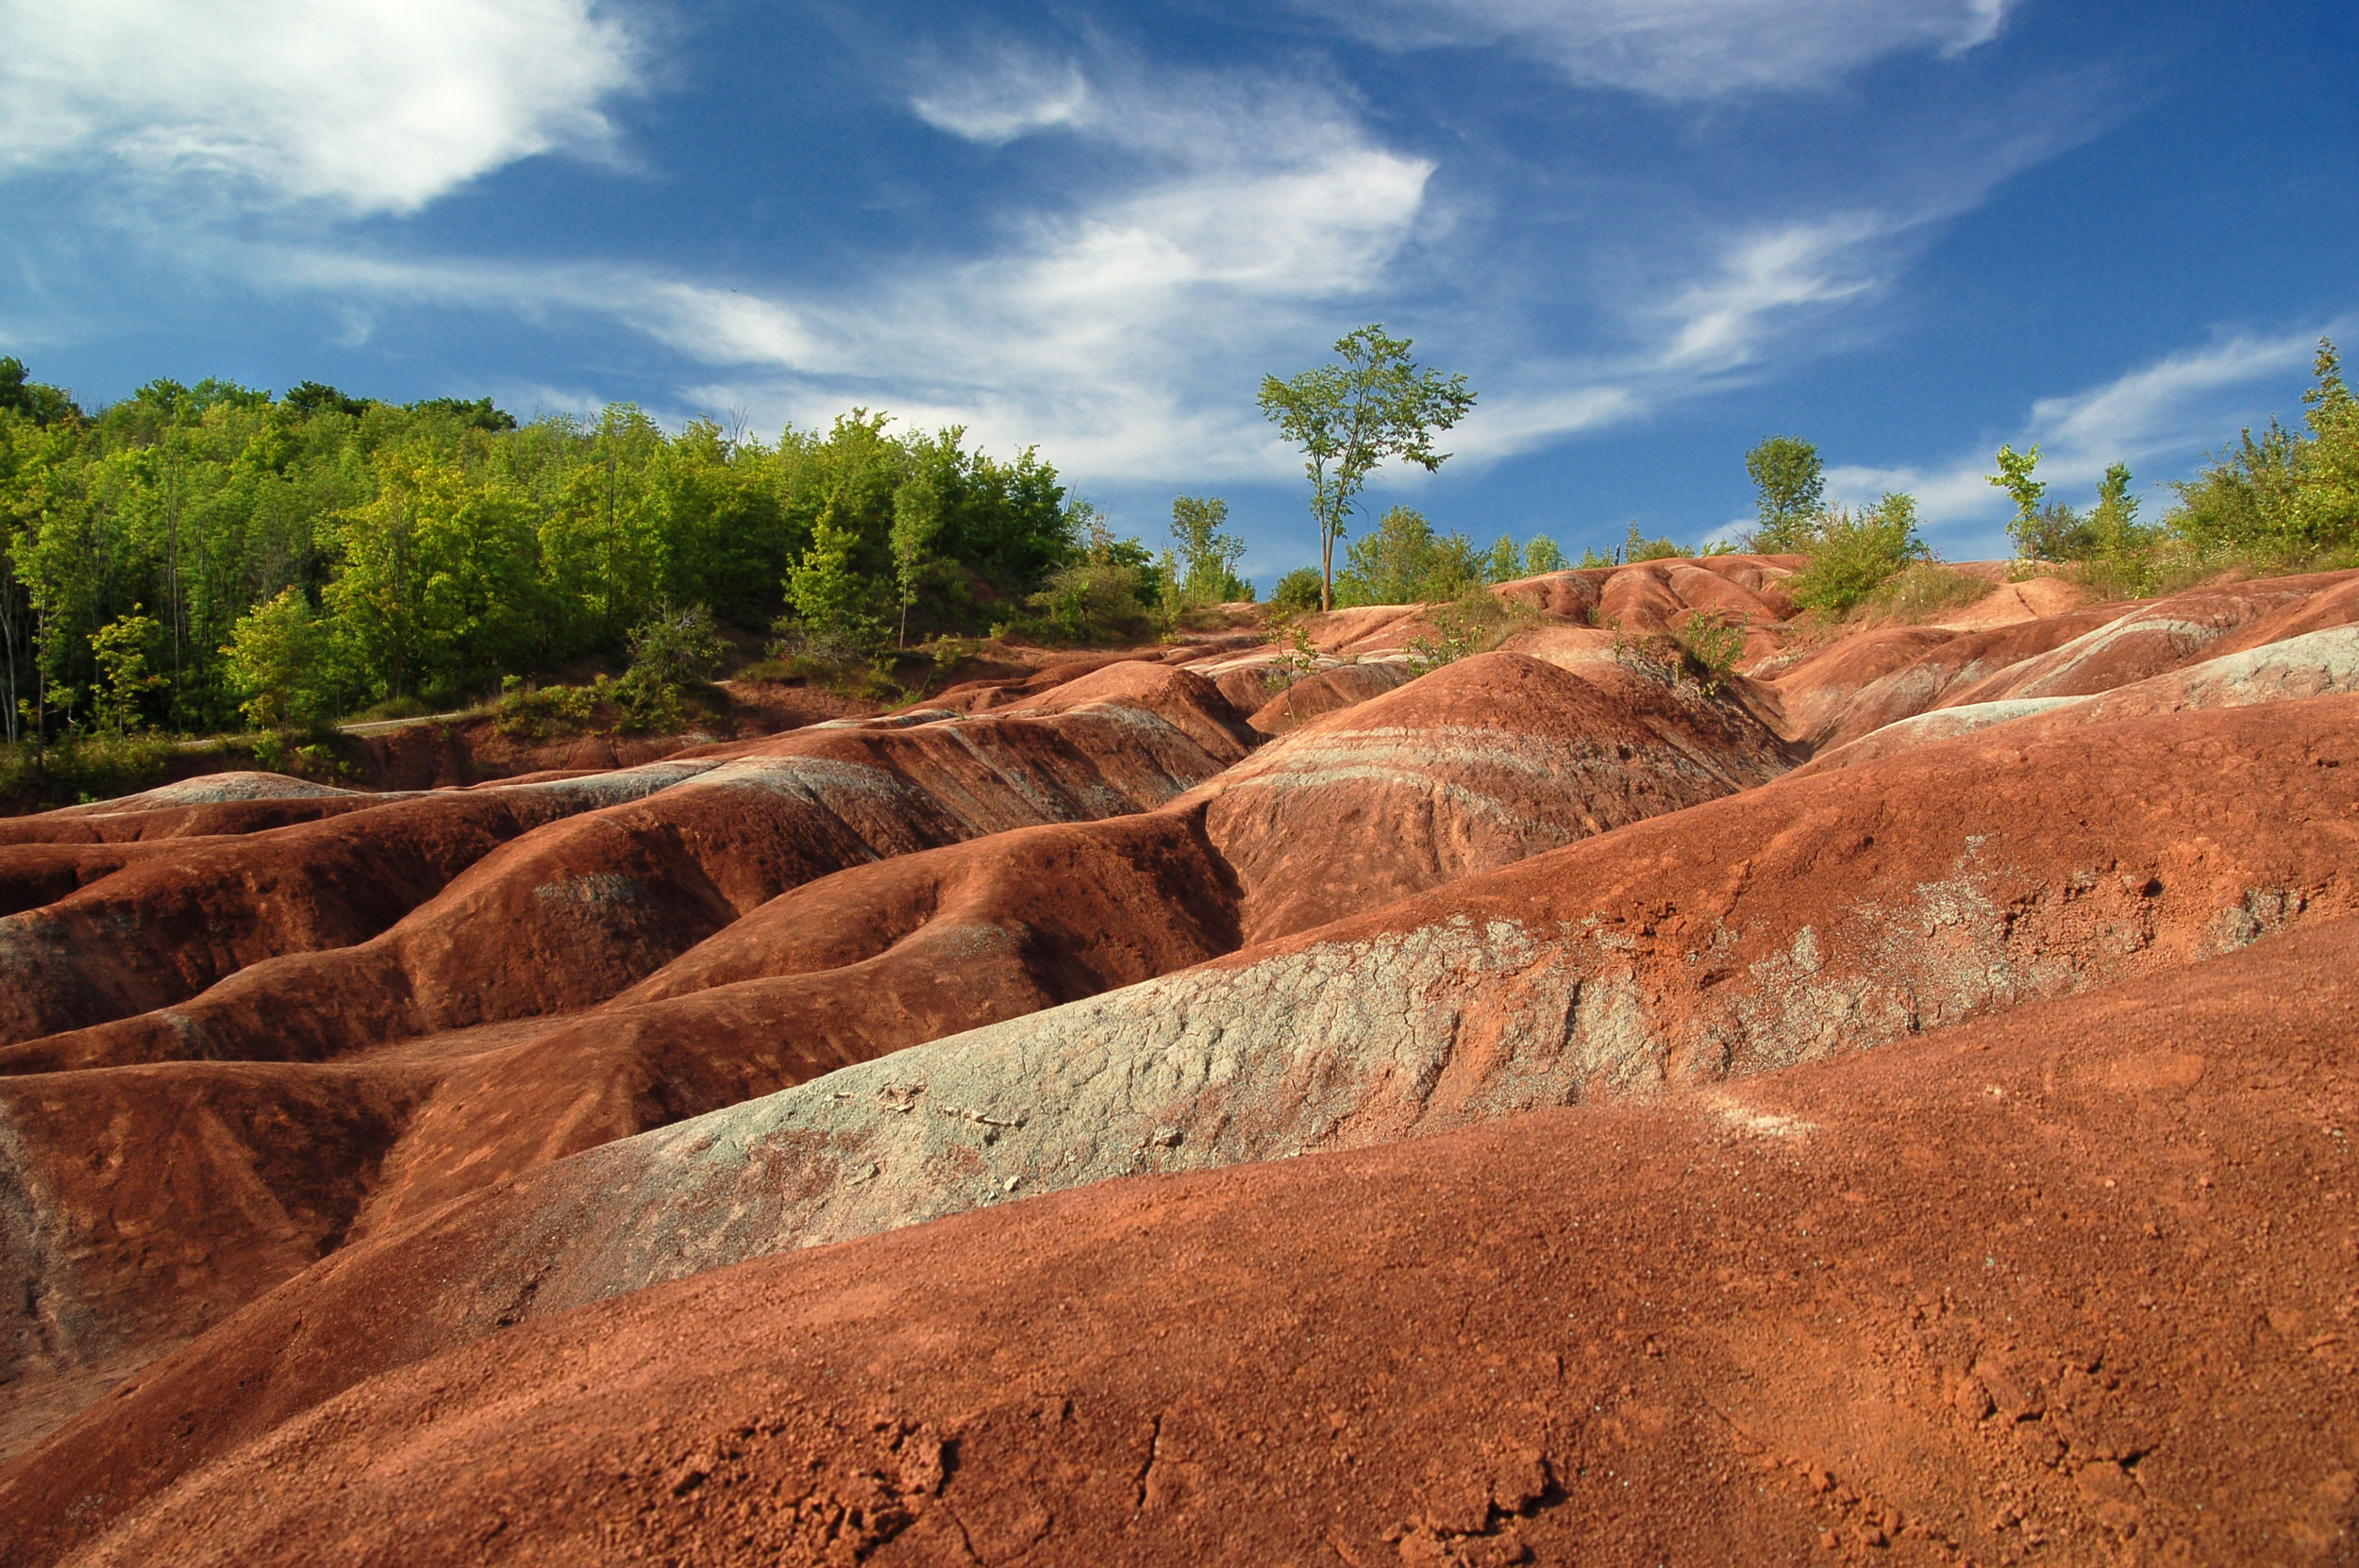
1486,763
841,970
845,969
1836,865
1479,765
163,928
1329,692
884,956
441,992
130,822
2047,1287
562,918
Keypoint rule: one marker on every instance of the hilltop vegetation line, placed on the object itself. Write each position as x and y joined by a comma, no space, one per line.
2286,501
197,559
201,558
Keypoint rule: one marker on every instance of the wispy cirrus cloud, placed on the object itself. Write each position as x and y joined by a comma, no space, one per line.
1021,94
372,106
1683,49
1752,294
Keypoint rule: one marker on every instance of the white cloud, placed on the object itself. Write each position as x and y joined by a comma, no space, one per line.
1759,291
373,105
2165,413
1683,48
1021,95
1519,420
1762,282
1128,337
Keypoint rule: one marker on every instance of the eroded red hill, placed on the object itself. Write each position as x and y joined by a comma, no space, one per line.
1960,1300
402,1071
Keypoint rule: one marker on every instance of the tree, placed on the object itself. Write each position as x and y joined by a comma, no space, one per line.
1504,563
1853,554
678,645
307,398
273,663
1297,591
438,583
120,648
1206,558
835,601
1108,590
2015,477
1791,486
43,404
916,520
1542,556
1636,546
1350,418
2326,499
1404,561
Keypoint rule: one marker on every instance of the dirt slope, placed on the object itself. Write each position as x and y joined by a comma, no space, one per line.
1837,918
2042,1285
1468,772
451,1060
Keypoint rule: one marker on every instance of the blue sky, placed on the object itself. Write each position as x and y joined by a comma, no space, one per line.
1648,231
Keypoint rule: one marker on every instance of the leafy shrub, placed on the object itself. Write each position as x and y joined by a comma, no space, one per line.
1476,622
1714,642
404,706
1299,590
1092,601
2285,499
1404,561
84,768
949,652
1103,596
543,714
1638,547
1853,553
1924,591
644,705
1289,629
678,646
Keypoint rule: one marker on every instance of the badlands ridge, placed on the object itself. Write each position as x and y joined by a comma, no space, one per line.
1893,1103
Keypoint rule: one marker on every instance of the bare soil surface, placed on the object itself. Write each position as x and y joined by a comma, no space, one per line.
2044,1287
350,1136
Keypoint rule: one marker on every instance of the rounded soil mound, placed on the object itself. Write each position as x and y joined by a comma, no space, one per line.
1727,1326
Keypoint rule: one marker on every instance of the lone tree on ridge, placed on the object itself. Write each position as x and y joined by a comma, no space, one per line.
1792,483
1349,418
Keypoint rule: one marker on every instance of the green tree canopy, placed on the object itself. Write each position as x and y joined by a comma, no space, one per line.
1206,556
2015,477
1791,484
1854,553
273,664
1350,418
440,544
1404,561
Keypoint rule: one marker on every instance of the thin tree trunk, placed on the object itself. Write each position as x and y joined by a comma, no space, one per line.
41,683
7,631
172,573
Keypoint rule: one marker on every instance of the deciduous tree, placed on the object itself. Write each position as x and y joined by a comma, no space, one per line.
1791,483
1350,418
